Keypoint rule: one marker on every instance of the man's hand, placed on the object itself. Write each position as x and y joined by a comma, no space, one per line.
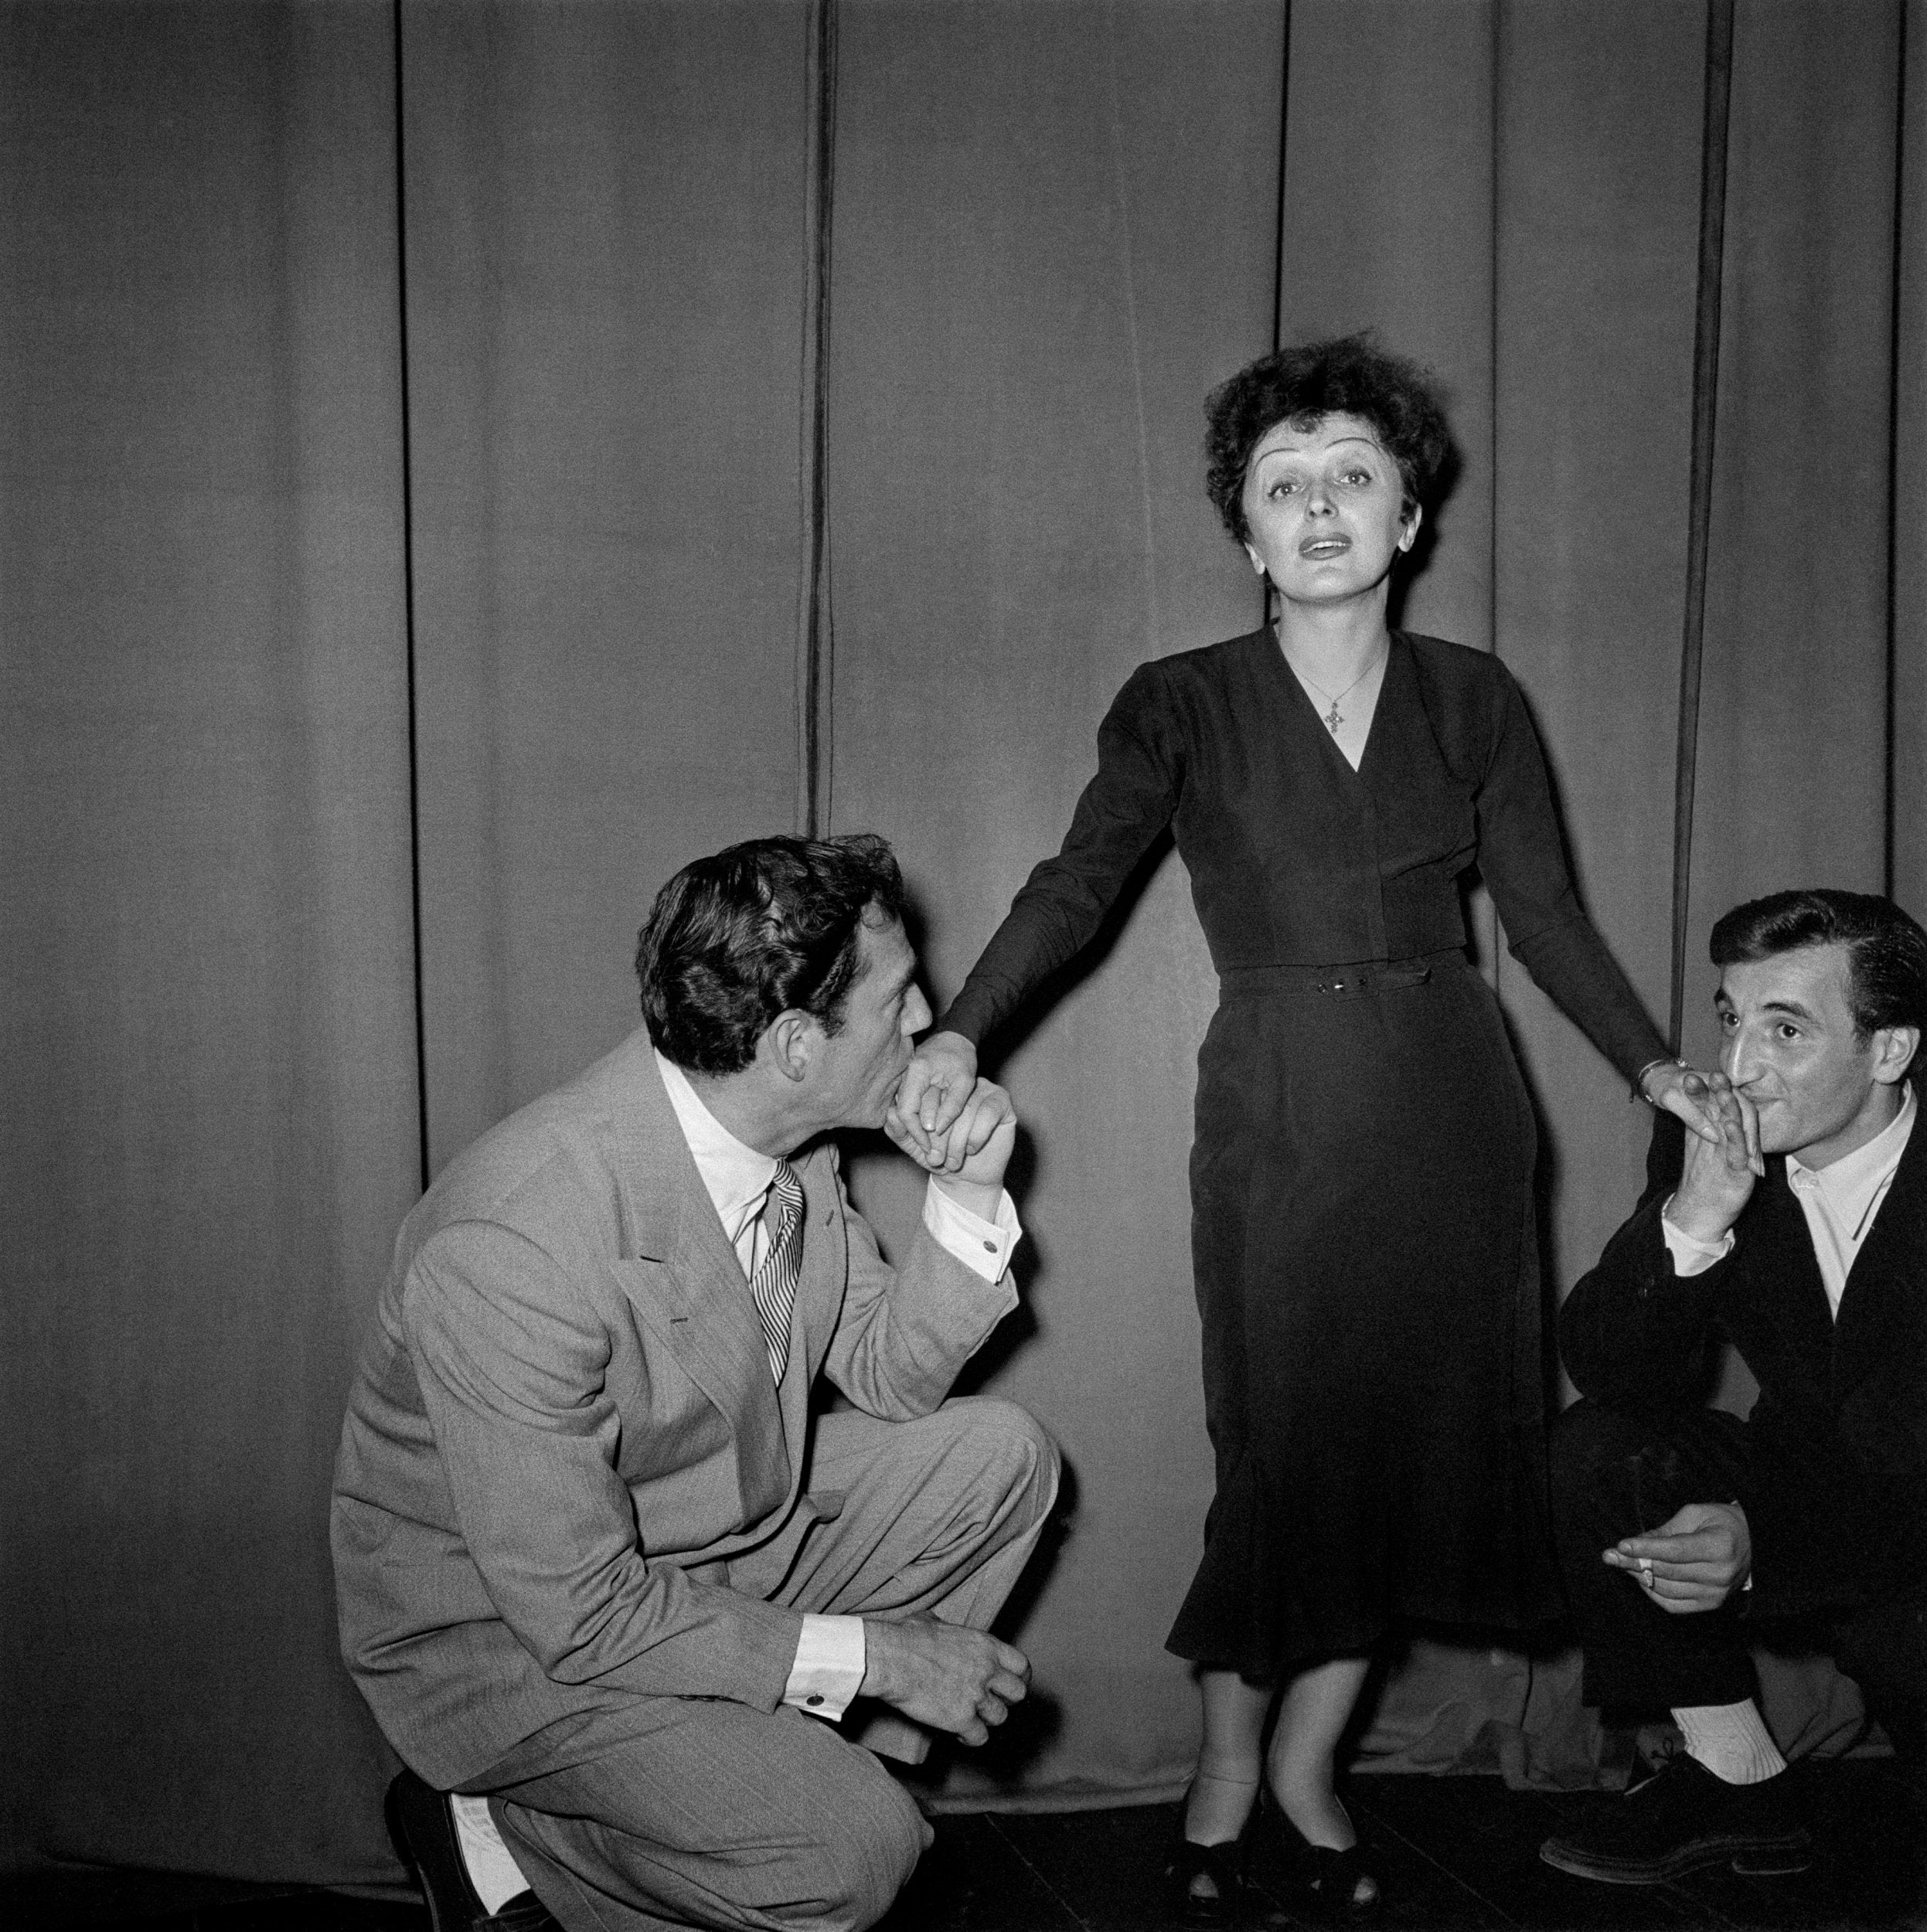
935,1085
1693,1561
968,1160
1716,1181
1688,1092
942,1674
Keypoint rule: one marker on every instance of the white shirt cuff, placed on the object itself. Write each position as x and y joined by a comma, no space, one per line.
984,1246
1691,1256
829,1669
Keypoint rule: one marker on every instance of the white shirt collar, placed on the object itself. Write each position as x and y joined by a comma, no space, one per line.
737,1176
1851,1183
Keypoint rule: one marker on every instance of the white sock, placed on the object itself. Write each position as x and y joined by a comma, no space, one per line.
492,1870
1731,1740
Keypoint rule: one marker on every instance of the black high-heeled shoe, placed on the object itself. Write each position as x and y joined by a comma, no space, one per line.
1223,1864
1326,1879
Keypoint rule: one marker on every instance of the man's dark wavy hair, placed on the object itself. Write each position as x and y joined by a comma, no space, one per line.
1886,950
1349,374
769,925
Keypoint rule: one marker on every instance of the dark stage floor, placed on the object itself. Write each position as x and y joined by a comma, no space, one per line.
1453,1852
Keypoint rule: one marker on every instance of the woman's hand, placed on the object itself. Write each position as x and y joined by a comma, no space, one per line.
940,1078
1717,1182
968,1160
1694,1098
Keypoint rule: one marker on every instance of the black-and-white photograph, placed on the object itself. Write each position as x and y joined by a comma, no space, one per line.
962,965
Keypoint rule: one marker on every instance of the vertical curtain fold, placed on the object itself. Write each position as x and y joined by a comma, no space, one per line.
1907,808
399,93
1706,383
816,642
606,278
1794,760
211,1123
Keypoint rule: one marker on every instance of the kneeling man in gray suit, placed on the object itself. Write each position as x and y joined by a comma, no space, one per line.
605,1566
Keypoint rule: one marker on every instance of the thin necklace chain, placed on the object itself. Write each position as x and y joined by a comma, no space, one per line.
1332,719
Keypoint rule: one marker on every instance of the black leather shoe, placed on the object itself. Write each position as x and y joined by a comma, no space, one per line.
423,1828
1679,1819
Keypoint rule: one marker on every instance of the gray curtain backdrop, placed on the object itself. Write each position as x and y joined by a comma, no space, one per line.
407,476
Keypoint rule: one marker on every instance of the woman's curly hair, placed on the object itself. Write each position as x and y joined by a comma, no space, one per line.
1349,374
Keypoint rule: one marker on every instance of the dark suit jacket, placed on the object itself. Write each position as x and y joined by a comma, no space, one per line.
563,1425
1837,1504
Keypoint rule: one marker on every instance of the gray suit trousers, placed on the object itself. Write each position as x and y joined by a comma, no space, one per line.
647,1812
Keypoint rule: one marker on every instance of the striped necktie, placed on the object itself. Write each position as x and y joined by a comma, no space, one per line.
774,1285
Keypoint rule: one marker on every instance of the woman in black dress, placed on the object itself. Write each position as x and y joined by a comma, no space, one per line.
1362,1219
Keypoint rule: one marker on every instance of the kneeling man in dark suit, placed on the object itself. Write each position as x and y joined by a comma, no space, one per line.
605,1565
1802,1239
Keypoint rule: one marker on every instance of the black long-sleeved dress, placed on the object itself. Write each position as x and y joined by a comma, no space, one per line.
1363,1239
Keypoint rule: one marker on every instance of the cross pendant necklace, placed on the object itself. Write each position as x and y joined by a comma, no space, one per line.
1332,718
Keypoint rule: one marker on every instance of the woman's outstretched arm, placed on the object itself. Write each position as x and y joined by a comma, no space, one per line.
1522,858
1124,808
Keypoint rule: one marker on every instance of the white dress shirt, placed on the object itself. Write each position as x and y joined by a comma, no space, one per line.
1840,1201
829,1655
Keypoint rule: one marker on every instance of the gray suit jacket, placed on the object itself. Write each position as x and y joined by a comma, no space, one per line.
563,1424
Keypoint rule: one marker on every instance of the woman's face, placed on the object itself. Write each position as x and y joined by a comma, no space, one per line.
1325,509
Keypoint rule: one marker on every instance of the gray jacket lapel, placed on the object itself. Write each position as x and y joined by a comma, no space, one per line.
684,1281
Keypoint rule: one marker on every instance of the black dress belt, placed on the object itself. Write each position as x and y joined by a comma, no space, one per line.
1339,981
